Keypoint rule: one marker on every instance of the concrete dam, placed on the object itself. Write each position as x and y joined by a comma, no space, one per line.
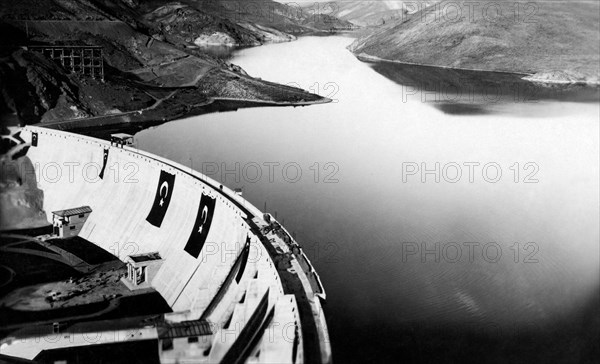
233,285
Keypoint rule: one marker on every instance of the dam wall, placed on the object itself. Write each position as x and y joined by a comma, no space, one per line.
217,265
67,168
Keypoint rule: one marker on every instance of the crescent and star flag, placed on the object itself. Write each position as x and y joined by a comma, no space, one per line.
164,191
199,233
104,160
22,152
34,139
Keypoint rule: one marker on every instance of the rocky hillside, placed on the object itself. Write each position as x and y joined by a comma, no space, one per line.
21,201
368,13
287,17
230,22
553,41
155,69
186,22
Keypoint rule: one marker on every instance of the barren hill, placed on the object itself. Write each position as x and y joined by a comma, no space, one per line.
556,41
368,13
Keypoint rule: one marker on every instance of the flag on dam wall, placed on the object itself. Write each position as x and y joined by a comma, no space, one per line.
20,153
199,233
104,160
244,261
164,191
34,139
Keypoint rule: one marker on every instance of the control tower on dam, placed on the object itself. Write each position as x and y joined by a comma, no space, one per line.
138,254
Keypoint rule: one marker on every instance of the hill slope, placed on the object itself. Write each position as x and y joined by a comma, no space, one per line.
556,41
231,22
369,13
154,68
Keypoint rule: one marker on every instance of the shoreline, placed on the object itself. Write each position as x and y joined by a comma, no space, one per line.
161,111
529,77
136,121
295,36
182,89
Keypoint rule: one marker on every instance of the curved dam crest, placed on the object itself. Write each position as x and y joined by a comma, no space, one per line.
222,262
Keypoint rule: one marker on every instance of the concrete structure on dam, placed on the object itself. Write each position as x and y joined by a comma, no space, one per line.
237,285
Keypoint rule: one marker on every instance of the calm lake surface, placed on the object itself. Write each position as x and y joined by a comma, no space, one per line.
450,218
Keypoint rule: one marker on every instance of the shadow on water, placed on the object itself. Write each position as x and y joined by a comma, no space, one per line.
462,109
462,92
574,339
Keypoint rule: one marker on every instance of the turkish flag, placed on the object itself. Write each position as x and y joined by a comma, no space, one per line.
104,160
244,260
199,233
164,191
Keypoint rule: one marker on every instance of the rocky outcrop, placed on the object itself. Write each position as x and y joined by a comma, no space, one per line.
37,89
21,201
562,77
182,24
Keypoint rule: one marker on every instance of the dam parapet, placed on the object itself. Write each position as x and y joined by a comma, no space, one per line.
249,287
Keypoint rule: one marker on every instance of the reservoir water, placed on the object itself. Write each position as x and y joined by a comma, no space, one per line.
450,218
